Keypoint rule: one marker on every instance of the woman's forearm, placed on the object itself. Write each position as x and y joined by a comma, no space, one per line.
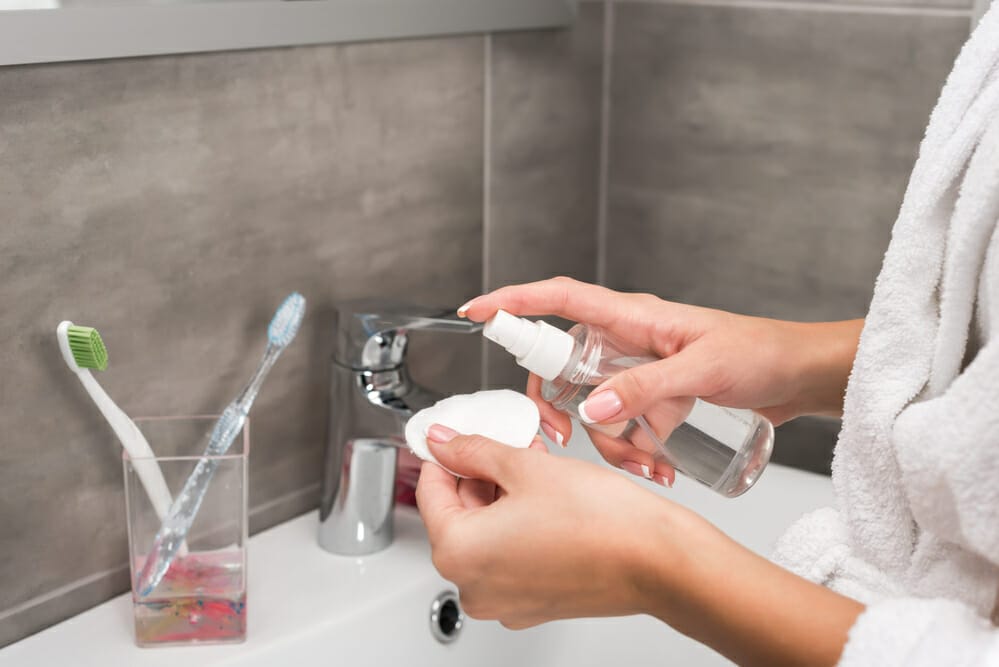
743,606
824,357
727,597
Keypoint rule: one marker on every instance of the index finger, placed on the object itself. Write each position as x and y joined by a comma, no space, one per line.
437,497
563,297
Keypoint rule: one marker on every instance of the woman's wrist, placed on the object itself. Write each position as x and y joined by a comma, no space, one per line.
663,568
699,581
823,354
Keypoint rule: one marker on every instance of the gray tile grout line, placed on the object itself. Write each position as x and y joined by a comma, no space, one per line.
59,592
487,175
603,183
814,6
97,576
274,502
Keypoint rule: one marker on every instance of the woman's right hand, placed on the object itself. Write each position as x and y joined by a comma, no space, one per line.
779,369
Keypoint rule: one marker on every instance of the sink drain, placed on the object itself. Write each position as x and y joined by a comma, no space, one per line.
446,617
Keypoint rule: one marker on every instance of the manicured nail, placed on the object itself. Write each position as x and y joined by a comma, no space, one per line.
463,309
664,478
439,433
637,469
600,407
552,434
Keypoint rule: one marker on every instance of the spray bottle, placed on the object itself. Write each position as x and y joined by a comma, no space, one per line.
723,448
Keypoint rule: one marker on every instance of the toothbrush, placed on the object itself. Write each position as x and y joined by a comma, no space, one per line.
83,349
172,532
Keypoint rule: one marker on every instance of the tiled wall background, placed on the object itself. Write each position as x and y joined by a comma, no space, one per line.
758,156
744,155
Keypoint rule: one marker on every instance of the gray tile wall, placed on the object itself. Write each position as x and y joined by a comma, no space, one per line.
172,202
756,153
758,156
544,139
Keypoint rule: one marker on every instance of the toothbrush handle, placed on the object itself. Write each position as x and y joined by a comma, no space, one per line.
181,515
134,443
169,539
249,394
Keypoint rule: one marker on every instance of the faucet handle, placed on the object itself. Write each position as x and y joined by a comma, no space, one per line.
373,334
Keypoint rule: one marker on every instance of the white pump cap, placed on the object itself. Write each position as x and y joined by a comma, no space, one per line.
539,347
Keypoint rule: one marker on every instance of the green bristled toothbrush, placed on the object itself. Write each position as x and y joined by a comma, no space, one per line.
83,349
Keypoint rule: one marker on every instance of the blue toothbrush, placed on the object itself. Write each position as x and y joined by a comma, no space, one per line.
173,531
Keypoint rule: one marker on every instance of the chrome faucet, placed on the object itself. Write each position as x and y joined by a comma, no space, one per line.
371,399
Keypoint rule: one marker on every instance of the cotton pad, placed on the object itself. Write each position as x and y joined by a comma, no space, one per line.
502,415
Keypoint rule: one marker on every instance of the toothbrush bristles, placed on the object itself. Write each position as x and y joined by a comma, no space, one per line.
288,317
87,347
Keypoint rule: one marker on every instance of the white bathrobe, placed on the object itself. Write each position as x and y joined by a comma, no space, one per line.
915,534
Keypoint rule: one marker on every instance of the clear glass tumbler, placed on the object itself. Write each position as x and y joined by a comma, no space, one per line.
202,597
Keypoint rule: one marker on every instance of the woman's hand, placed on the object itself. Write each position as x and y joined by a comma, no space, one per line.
779,369
533,538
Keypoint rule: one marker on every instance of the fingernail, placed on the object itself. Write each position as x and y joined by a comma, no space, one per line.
552,434
600,407
636,469
463,309
439,433
665,478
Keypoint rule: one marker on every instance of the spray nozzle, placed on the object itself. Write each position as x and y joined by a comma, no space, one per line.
538,346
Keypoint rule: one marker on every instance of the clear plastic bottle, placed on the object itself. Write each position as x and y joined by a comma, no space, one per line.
723,448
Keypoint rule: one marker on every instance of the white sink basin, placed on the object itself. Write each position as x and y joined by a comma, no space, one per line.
308,607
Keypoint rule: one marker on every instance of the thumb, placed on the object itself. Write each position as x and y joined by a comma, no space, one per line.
634,391
472,456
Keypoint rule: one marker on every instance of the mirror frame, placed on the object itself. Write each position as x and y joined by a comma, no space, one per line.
121,31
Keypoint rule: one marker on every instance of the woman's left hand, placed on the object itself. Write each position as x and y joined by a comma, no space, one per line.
533,538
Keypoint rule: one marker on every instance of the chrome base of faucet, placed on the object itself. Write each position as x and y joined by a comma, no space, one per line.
361,518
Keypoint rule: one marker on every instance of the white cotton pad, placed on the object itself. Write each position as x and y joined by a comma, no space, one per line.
502,415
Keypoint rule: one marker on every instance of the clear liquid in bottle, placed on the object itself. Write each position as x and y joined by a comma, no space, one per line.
723,448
